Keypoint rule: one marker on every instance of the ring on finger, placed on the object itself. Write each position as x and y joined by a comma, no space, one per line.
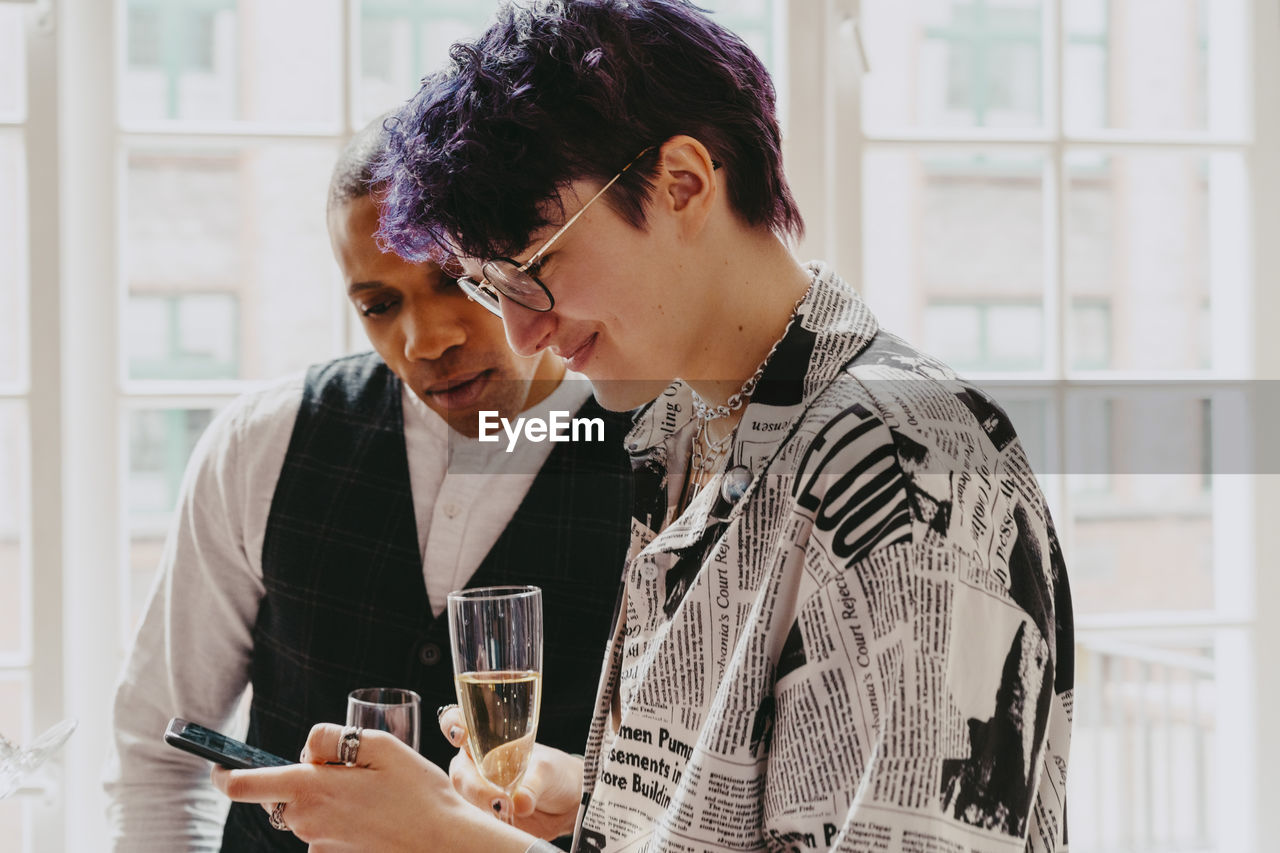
349,745
277,818
443,708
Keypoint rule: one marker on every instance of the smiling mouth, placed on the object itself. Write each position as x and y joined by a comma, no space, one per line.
581,349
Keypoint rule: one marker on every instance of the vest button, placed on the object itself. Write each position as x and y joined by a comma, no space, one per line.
429,654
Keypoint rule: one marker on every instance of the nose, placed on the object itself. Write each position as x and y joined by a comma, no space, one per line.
528,331
431,328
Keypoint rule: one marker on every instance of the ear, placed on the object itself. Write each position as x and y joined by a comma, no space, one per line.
686,179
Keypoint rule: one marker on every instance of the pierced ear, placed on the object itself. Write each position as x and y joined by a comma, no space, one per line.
689,180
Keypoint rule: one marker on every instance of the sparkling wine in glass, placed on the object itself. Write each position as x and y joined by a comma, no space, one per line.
496,635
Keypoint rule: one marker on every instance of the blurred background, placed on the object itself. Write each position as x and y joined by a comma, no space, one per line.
1058,197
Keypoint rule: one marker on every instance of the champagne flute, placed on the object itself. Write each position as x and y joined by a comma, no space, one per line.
389,709
17,762
496,635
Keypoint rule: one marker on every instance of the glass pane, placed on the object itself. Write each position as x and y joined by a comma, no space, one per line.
15,725
954,254
1155,65
1141,543
13,257
160,442
1141,499
753,21
1145,744
13,64
954,63
401,41
227,260
14,451
1141,245
223,60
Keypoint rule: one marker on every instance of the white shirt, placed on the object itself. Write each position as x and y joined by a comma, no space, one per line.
190,658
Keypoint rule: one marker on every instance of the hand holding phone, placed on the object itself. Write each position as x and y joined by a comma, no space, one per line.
219,748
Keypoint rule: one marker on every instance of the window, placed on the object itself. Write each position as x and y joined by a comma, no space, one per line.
1053,198
402,40
984,335
993,63
190,336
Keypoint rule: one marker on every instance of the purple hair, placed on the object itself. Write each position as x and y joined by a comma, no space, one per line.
561,90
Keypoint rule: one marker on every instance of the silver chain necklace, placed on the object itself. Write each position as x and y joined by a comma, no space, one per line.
705,412
708,455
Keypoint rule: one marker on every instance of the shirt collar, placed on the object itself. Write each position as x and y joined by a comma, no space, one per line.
831,326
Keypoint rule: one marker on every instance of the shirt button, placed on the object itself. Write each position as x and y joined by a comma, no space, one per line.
648,571
451,510
429,654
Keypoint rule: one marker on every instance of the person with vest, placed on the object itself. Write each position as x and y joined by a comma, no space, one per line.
324,520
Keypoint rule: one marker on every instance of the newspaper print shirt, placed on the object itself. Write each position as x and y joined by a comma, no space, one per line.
857,638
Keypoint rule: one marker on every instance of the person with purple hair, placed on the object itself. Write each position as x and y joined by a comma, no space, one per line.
844,622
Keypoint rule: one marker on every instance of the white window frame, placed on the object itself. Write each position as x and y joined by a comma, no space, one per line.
1265,486
41,391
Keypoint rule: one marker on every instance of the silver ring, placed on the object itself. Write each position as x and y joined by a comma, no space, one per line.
277,818
349,745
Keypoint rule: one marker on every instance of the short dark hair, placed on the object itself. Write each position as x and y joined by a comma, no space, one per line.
352,176
561,90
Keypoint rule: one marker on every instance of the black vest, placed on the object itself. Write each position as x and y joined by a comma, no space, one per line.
346,605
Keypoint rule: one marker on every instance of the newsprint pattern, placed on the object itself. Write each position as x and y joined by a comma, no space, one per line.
869,650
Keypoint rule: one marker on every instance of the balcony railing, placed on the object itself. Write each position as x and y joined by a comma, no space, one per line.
1142,748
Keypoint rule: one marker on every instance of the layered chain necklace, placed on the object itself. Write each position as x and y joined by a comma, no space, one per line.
709,455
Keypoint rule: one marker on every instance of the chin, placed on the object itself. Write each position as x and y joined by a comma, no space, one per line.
467,423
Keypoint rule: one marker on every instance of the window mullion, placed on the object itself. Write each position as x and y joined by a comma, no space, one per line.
1055,297
90,401
44,557
806,135
843,162
1264,179
345,333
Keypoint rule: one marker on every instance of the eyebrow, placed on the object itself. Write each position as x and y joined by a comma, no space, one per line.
361,286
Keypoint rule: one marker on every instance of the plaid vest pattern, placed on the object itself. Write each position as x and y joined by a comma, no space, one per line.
346,605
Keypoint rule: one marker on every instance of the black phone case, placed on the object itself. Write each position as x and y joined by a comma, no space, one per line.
251,757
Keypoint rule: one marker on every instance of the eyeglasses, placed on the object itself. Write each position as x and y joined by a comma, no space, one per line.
520,282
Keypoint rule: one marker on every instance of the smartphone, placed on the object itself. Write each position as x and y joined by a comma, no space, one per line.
218,748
